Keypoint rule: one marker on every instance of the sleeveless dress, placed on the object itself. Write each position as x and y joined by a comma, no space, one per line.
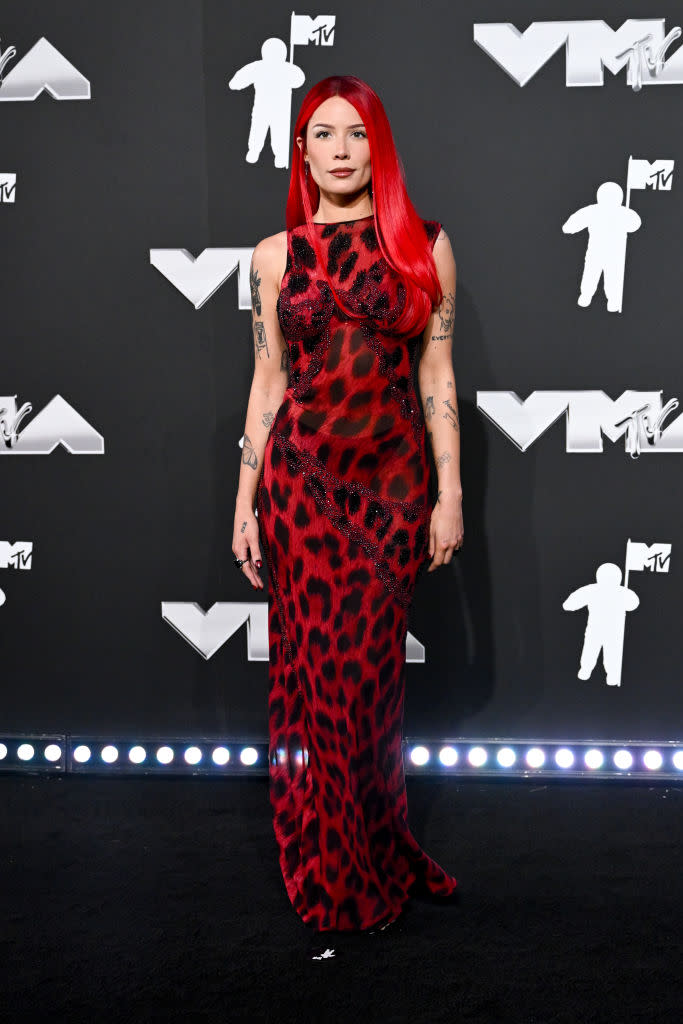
343,512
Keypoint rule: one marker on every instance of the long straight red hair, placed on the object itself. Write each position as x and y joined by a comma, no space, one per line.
399,229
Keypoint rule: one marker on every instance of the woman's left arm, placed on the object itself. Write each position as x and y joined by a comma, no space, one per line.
436,379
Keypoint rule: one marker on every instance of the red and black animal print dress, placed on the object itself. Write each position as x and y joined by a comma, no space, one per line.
343,515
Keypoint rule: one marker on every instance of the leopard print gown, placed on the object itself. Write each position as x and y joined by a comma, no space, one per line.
343,514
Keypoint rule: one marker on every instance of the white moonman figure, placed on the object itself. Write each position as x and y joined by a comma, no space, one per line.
607,602
608,223
273,78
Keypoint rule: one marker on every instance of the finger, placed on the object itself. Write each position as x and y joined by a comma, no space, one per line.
250,573
255,560
249,569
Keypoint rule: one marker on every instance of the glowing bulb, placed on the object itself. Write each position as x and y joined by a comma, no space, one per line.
506,757
564,758
477,757
535,757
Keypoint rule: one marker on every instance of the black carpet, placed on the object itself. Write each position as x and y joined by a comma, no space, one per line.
144,899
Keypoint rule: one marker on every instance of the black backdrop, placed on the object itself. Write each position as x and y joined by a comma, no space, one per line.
125,542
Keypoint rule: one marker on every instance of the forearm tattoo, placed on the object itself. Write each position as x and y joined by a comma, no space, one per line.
249,457
429,407
443,458
451,415
267,419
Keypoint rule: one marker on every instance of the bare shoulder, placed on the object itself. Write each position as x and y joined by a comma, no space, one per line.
443,252
269,258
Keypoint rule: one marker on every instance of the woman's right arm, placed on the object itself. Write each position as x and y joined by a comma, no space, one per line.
271,375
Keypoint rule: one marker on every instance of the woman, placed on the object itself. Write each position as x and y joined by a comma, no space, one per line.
335,457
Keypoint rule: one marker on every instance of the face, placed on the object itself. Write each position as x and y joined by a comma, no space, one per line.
336,139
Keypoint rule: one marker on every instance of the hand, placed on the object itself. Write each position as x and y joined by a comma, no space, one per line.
446,530
245,544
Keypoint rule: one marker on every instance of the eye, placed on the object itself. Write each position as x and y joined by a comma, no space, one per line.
324,131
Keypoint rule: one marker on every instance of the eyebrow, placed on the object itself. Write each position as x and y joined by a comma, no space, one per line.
321,125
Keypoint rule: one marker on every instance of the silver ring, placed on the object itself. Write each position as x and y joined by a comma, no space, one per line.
239,562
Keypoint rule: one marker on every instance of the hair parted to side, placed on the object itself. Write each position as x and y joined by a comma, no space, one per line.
399,229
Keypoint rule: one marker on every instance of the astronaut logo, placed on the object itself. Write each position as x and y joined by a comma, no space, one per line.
609,222
608,601
273,78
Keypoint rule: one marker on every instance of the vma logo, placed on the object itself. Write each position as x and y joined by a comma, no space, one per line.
639,45
43,68
639,415
206,632
58,423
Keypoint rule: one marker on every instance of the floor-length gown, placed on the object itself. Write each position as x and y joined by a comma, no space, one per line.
343,512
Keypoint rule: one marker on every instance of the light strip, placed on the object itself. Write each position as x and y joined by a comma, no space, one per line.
482,758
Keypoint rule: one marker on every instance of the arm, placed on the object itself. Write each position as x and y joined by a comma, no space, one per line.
436,378
271,374
270,367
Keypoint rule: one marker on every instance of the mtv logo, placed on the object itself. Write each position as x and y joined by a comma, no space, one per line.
18,555
8,187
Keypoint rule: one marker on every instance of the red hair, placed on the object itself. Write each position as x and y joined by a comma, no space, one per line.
400,232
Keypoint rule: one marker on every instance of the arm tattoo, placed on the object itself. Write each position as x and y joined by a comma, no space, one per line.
451,415
442,459
268,418
260,338
249,457
244,526
254,282
449,384
429,410
447,312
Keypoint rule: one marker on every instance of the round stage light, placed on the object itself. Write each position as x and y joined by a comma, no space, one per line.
3,751
652,759
249,755
448,756
623,759
564,758
477,757
53,752
221,756
109,753
594,759
137,754
506,757
25,751
678,760
164,755
193,755
82,753
419,755
535,757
